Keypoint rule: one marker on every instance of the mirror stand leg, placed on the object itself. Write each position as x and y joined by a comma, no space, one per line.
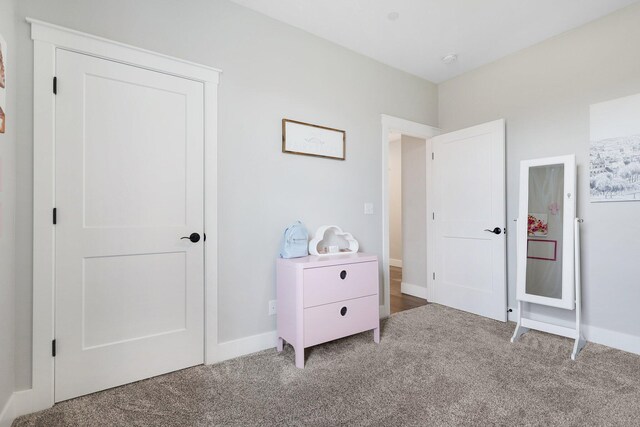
579,345
580,341
519,328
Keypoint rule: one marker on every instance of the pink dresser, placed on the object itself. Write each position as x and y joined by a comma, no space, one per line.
321,299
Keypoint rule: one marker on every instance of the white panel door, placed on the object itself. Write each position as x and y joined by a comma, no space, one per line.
129,184
469,203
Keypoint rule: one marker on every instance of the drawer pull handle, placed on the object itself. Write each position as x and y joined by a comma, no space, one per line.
343,274
343,311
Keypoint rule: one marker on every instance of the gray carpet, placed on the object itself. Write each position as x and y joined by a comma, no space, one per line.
434,366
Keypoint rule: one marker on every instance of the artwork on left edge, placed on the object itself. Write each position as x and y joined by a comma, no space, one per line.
614,158
537,225
3,84
313,140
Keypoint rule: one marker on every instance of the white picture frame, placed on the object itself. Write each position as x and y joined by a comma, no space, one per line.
313,140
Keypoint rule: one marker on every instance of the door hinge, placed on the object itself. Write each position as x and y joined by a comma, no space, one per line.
434,275
433,216
53,348
55,85
55,216
433,156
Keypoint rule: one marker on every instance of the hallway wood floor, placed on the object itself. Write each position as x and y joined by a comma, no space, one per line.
400,301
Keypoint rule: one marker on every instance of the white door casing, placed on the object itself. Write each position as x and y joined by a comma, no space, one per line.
469,198
47,39
129,184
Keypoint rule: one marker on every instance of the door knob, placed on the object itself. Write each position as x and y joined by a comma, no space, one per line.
496,230
194,237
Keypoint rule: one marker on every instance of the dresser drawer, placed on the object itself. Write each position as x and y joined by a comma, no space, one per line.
325,285
332,321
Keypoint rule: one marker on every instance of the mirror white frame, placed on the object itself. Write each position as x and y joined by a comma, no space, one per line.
567,301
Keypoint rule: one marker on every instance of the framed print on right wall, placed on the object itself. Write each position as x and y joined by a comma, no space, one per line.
614,157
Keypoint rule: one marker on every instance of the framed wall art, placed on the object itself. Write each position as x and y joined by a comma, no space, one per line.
614,158
313,140
538,225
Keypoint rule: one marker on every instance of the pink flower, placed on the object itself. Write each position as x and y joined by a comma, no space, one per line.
535,225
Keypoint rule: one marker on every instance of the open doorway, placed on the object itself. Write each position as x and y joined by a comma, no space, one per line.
408,266
407,225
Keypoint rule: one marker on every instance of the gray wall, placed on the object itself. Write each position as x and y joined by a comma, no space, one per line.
395,200
414,211
271,71
7,209
544,93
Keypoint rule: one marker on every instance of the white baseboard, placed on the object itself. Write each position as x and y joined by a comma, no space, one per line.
395,262
19,404
415,290
619,340
243,346
8,413
594,334
24,404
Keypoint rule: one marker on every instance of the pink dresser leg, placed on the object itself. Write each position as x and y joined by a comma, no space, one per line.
280,344
300,358
376,335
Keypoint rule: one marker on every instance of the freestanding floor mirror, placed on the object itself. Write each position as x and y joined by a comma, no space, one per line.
548,243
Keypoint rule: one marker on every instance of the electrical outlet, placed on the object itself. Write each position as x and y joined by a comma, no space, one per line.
368,208
272,307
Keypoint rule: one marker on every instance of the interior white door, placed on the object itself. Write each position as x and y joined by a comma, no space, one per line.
469,204
129,185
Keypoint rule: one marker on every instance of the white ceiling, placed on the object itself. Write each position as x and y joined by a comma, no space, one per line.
479,31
